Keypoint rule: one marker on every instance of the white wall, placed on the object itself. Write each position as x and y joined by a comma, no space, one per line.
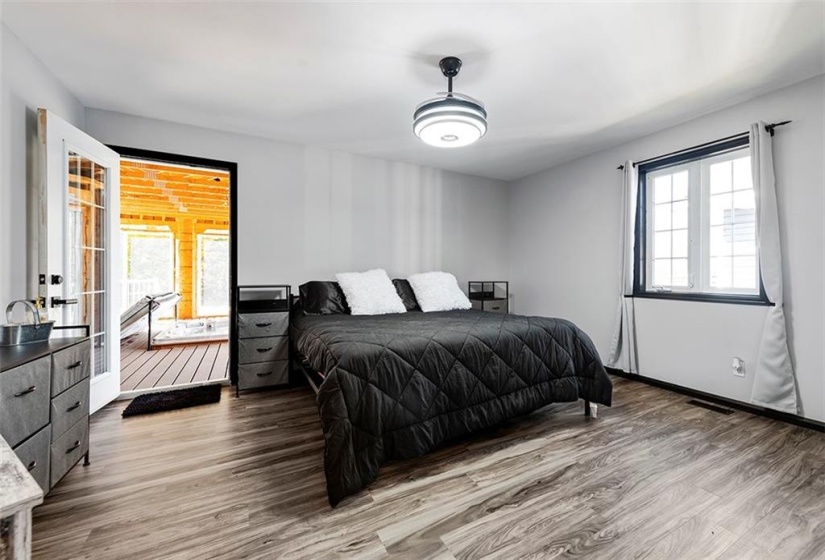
307,213
564,225
25,86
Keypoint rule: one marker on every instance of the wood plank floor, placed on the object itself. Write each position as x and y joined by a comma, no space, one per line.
653,477
167,366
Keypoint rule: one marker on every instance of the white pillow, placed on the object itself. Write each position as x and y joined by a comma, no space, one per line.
370,293
438,291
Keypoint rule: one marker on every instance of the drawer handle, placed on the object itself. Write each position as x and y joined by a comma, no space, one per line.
262,325
31,466
73,447
264,374
75,365
262,350
74,406
31,389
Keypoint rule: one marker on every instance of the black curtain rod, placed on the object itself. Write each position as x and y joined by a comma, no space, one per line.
768,128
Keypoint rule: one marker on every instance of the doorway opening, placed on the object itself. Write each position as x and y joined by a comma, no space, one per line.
177,237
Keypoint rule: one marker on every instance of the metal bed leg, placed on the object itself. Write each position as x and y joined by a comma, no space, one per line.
86,461
587,408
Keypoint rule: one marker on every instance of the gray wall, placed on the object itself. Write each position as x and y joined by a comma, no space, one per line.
25,86
564,253
307,213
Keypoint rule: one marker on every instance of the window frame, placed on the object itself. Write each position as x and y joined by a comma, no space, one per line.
640,287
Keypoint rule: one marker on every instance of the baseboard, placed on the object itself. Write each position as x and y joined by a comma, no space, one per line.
745,407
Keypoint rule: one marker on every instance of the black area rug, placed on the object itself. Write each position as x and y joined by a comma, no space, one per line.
173,400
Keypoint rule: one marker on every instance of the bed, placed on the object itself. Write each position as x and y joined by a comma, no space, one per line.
398,386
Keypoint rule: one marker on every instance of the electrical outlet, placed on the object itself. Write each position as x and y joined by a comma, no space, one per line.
738,367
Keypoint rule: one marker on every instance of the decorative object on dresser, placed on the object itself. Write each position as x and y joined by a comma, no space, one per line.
493,296
260,347
44,405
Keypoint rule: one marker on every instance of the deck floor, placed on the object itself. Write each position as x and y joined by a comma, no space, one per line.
168,366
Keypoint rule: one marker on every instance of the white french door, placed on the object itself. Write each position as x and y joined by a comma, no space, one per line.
78,237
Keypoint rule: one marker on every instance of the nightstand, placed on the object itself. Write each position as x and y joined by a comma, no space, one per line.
261,354
493,296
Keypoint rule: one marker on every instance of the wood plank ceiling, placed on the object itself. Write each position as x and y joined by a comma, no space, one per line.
158,190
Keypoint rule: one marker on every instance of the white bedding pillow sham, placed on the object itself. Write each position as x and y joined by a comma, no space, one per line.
438,291
370,292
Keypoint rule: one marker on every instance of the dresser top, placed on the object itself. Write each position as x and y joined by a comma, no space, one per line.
13,356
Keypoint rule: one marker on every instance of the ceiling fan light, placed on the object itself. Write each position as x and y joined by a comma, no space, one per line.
451,120
449,131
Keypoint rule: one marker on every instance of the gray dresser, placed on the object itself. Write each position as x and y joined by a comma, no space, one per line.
261,357
44,405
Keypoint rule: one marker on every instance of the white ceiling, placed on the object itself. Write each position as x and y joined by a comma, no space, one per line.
559,79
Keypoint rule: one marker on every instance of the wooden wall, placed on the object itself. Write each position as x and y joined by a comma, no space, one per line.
187,200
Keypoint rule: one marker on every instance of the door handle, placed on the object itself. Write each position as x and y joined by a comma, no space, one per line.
56,301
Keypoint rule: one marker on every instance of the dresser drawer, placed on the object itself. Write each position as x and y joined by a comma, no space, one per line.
254,350
34,454
70,366
24,400
69,407
68,449
266,374
253,325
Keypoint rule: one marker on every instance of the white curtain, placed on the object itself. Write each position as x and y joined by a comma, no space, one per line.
623,351
774,384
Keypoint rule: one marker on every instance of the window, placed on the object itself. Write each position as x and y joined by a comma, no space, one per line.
148,263
697,226
213,273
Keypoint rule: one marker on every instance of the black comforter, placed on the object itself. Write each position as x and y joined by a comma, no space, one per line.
398,386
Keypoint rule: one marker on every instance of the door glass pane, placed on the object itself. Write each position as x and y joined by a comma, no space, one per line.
99,354
86,263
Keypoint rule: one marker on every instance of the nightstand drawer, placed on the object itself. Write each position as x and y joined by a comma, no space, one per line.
70,366
68,449
266,374
24,400
69,407
495,305
255,325
34,454
254,350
